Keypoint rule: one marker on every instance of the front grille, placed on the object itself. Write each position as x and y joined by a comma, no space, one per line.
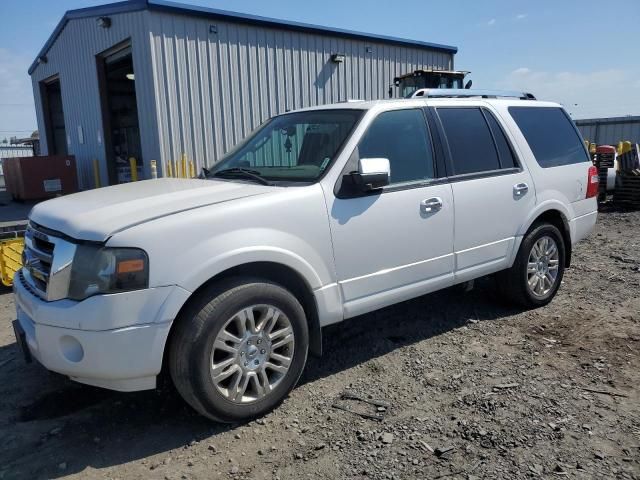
39,259
43,246
26,284
45,260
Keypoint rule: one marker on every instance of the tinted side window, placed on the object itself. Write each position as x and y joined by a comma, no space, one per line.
550,134
403,138
507,159
470,141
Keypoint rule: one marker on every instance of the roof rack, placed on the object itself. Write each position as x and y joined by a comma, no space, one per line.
468,93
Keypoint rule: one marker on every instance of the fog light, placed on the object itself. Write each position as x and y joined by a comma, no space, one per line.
71,349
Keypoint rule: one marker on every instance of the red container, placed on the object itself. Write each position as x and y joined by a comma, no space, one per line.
38,178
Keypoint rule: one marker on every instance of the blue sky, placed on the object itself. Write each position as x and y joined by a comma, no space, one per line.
583,54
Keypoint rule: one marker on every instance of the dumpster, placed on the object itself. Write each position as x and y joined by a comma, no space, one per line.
39,178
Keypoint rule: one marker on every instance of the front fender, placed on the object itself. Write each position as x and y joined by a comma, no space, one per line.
241,256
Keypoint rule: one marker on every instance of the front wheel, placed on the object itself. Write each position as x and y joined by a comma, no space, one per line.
537,272
239,349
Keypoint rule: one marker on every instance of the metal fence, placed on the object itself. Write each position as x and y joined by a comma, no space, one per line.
11,151
610,131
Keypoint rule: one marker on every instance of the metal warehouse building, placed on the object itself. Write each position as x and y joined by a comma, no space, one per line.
154,80
610,131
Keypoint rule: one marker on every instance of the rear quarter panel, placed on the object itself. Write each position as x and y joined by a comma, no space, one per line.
561,188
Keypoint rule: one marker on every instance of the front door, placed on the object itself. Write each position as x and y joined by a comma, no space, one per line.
398,243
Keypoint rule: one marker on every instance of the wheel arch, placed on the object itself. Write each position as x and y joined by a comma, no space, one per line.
278,273
558,219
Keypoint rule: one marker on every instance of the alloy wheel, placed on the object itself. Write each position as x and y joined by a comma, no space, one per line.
543,266
252,353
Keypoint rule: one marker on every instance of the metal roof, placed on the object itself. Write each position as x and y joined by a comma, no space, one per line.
606,120
213,13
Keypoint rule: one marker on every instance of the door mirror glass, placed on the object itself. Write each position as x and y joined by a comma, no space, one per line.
372,174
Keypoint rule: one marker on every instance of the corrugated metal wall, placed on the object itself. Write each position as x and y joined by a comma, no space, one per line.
216,81
73,57
202,85
610,131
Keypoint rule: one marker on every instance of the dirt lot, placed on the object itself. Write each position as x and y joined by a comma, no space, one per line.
474,390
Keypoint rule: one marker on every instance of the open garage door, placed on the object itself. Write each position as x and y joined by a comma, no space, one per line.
119,113
55,131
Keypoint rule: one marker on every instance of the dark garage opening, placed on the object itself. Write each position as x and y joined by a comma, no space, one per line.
55,131
119,114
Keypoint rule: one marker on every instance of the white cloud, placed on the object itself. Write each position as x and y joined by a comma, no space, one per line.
491,22
521,71
521,16
17,114
598,93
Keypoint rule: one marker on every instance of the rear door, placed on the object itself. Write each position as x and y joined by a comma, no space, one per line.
492,192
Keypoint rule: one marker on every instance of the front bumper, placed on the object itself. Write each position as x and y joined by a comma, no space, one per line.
126,358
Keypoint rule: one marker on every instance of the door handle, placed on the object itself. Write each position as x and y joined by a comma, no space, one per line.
431,205
520,189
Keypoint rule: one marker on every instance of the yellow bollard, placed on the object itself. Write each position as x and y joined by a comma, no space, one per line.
96,173
154,169
169,169
192,170
184,165
176,169
134,169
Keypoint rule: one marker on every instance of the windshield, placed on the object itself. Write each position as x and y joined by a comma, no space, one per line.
295,147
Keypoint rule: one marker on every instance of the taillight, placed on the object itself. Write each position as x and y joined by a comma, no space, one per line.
592,182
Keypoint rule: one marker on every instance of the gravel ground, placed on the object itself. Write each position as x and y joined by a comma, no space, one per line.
449,385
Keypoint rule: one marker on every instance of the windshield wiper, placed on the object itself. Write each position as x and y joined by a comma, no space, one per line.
241,173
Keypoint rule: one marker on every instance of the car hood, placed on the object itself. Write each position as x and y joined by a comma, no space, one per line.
96,215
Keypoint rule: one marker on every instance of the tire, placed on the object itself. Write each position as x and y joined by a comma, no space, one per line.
515,283
207,334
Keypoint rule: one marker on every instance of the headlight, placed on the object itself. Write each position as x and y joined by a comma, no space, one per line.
98,270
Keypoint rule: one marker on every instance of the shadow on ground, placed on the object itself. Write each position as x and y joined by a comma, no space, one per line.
99,428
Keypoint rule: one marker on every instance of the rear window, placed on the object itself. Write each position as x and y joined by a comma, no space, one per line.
551,135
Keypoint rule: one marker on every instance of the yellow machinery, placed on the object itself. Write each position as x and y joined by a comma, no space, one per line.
410,82
10,259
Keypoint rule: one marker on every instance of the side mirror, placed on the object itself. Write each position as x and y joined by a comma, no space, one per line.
372,174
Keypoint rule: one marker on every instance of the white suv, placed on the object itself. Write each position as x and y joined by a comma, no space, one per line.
318,216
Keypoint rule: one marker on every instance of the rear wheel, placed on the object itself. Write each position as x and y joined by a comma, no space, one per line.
239,349
537,272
